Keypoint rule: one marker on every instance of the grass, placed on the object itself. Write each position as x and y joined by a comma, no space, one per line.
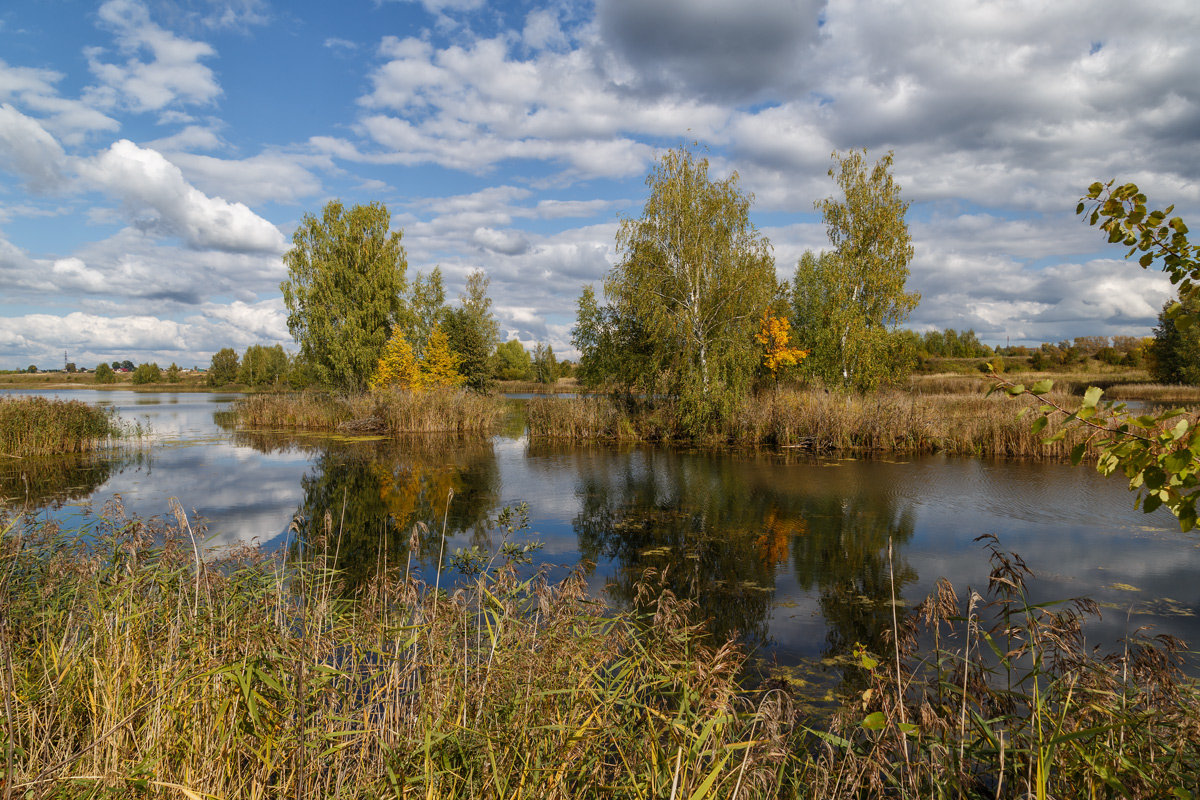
38,426
140,669
883,422
380,412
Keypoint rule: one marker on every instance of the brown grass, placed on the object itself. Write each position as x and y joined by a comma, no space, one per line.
38,426
882,422
380,412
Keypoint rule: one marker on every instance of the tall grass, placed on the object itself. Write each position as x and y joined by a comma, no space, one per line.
38,426
1008,700
382,412
138,668
820,421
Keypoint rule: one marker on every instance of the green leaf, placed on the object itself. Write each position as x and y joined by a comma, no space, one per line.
1056,437
875,721
1077,453
1042,387
1154,477
1178,461
1151,503
1038,425
1016,389
1092,396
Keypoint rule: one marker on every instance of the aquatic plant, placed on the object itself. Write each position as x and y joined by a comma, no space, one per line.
384,411
38,426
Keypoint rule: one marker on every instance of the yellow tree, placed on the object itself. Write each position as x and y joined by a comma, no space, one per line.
439,368
773,335
398,365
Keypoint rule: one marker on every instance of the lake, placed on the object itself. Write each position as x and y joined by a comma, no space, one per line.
788,551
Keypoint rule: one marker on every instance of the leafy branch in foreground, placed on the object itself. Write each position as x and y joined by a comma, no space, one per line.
1158,453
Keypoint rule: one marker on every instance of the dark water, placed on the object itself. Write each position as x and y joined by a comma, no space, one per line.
790,552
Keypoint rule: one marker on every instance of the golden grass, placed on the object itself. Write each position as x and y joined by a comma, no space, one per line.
384,412
39,426
138,669
883,422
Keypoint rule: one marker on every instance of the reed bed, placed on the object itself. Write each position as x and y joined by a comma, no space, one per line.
1007,700
1157,393
138,669
39,426
882,422
386,412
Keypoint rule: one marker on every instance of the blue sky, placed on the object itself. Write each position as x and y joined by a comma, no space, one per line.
155,157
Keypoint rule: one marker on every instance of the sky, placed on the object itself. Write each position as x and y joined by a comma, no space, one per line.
156,157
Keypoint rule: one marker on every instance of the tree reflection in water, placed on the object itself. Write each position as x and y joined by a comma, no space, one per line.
719,528
362,499
31,484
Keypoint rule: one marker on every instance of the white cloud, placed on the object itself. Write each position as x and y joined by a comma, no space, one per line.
173,73
267,177
28,150
159,201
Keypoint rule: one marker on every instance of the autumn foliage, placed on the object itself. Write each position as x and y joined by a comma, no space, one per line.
773,336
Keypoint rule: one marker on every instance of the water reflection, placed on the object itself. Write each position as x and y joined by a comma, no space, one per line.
363,499
50,482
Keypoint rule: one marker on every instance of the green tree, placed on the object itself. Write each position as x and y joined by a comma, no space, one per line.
223,369
31,369
70,367
512,362
262,365
343,292
848,302
173,373
693,280
545,365
147,373
1174,355
593,337
473,332
105,374
427,308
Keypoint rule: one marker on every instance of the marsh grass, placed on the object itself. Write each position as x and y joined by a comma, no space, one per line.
882,422
38,426
1009,701
137,668
379,412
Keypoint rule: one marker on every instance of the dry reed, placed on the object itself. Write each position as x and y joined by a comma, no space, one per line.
882,422
38,426
382,412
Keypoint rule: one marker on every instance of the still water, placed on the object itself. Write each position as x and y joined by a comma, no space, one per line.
788,551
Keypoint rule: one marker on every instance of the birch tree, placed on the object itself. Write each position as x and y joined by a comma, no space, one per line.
850,300
695,277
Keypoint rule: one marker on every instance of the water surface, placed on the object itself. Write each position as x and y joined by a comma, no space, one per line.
789,552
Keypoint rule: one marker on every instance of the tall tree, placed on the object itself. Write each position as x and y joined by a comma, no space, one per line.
262,365
694,279
473,332
427,308
545,365
1174,355
343,292
848,302
512,362
224,367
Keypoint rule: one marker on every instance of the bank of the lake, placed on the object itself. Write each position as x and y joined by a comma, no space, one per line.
386,411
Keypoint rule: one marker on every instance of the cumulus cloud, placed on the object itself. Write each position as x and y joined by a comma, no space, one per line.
159,201
174,72
28,150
